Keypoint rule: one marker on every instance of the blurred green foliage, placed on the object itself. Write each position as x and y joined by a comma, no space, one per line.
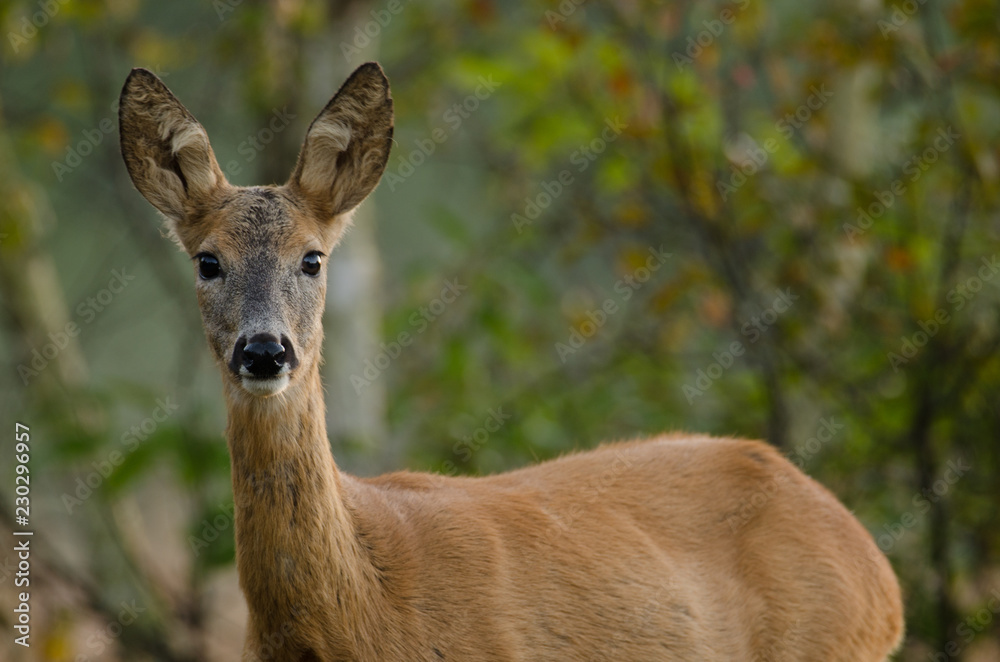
823,176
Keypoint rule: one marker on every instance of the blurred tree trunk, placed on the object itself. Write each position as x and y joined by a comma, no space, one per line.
356,418
308,69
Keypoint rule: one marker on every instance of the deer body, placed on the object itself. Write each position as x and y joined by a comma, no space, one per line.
673,548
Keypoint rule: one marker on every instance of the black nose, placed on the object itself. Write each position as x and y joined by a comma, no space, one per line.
263,356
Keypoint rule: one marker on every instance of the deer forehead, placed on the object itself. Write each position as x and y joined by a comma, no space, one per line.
262,223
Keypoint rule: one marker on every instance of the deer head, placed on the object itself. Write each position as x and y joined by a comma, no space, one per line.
258,252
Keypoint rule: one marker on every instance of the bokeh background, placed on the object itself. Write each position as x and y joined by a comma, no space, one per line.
792,208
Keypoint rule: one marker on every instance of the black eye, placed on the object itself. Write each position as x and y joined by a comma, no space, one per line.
208,266
311,263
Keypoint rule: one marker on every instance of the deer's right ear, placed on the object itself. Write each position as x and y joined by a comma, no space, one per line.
165,149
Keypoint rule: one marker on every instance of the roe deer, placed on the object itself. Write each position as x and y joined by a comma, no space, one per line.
634,551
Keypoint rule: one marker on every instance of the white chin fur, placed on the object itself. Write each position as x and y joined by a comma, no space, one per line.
272,386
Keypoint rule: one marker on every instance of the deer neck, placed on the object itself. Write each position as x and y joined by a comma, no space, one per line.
298,554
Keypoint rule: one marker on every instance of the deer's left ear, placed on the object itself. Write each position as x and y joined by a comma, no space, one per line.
347,145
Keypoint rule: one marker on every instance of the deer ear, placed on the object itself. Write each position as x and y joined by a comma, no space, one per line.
166,150
347,145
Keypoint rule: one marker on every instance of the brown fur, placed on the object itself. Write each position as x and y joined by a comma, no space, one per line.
674,548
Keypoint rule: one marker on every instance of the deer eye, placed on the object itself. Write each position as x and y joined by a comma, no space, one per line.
208,266
311,263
